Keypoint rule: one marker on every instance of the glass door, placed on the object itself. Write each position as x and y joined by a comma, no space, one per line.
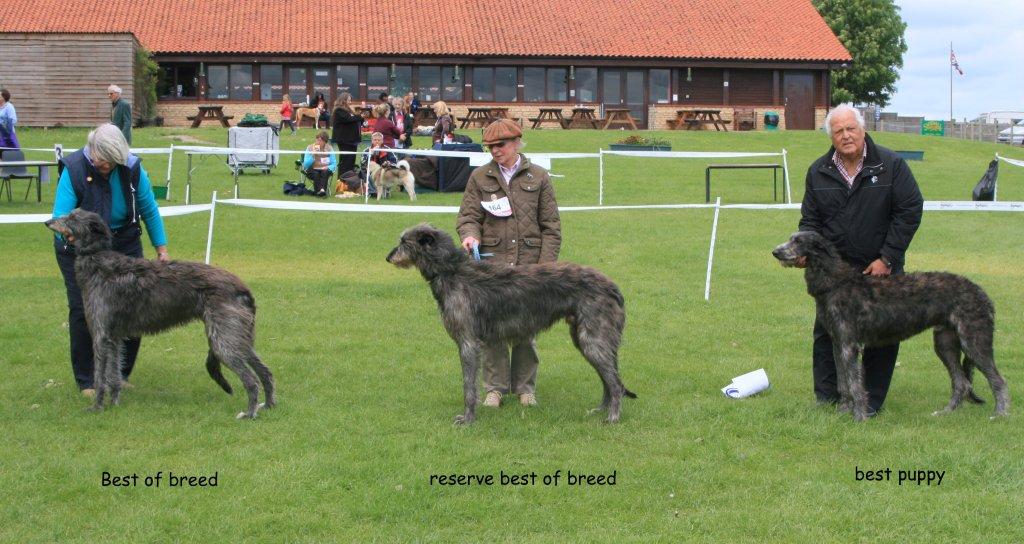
625,89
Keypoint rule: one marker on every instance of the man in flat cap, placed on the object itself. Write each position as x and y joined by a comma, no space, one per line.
509,211
120,112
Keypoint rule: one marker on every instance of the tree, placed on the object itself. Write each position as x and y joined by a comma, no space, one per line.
872,31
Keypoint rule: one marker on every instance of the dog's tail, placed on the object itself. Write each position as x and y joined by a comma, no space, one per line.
968,367
404,165
213,368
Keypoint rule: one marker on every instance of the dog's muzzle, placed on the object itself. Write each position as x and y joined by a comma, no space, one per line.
784,253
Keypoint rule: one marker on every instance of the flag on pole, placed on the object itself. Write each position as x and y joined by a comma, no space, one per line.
954,63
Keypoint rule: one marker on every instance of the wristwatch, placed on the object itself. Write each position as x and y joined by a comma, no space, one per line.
886,260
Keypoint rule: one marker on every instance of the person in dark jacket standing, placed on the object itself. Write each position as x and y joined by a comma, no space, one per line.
345,134
509,210
865,200
103,177
120,112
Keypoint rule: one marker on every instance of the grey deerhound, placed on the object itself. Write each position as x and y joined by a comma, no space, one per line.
484,303
126,297
867,311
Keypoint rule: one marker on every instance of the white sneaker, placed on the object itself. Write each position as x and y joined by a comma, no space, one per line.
528,399
493,399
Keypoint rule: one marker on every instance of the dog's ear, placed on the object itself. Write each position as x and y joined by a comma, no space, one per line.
426,239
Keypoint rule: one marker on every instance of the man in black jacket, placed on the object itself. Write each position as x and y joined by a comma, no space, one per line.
865,200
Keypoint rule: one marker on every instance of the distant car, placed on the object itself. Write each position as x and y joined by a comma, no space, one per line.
1013,135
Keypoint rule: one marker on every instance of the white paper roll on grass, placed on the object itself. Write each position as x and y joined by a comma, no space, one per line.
746,385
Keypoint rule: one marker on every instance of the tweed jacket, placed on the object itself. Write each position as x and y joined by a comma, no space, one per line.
532,234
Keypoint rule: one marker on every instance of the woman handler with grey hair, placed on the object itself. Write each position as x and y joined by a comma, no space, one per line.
103,177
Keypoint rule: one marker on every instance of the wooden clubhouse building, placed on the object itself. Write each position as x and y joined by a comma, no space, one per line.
742,57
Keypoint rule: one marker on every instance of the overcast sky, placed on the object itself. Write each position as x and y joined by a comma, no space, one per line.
988,38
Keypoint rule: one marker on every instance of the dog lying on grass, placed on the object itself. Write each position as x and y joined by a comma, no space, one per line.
867,311
388,176
482,303
126,297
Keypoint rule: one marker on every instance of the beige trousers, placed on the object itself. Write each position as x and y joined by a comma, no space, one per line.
518,374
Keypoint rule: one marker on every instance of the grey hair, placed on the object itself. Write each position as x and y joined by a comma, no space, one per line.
114,89
840,109
106,143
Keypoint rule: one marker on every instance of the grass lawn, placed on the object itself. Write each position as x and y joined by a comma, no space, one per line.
369,381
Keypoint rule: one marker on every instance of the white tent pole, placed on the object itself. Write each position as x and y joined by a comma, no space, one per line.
711,251
785,176
600,177
209,233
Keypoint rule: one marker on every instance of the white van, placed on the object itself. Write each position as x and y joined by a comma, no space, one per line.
1002,117
1013,135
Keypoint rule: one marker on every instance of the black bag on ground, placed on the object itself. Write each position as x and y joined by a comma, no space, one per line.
986,187
296,189
453,172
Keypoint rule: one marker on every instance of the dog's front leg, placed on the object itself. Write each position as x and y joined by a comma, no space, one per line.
469,352
852,379
105,357
842,372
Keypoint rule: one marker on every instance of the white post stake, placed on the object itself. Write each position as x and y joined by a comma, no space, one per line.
170,160
209,233
600,177
711,251
366,182
785,176
995,186
188,181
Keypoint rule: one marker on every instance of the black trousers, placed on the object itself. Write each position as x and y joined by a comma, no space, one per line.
128,242
346,162
878,367
320,178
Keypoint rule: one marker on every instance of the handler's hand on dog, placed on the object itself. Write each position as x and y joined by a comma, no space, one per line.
469,242
162,255
877,268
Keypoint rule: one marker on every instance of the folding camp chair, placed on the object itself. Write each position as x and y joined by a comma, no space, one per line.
11,173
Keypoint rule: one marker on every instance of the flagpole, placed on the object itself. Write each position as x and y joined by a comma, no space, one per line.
951,82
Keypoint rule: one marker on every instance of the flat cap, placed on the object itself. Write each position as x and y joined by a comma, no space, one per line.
502,129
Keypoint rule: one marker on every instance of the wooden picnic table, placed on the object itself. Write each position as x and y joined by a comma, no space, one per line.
618,116
424,116
691,119
549,115
208,113
582,118
479,117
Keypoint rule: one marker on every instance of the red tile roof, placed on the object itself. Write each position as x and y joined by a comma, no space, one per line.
788,30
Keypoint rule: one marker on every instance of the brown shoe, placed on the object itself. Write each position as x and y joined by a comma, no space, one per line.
89,393
528,399
493,399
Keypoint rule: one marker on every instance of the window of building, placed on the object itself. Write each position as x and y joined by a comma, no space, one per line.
452,77
177,81
322,83
429,88
217,82
483,84
586,84
297,91
347,80
545,84
377,81
241,82
660,82
558,85
401,80
505,84
533,84
271,82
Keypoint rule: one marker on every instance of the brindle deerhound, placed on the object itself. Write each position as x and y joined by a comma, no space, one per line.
868,311
482,303
126,297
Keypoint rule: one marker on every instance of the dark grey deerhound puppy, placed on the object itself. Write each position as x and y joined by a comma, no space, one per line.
126,297
482,303
867,311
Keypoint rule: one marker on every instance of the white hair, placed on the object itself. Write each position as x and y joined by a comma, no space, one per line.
840,109
114,89
106,143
